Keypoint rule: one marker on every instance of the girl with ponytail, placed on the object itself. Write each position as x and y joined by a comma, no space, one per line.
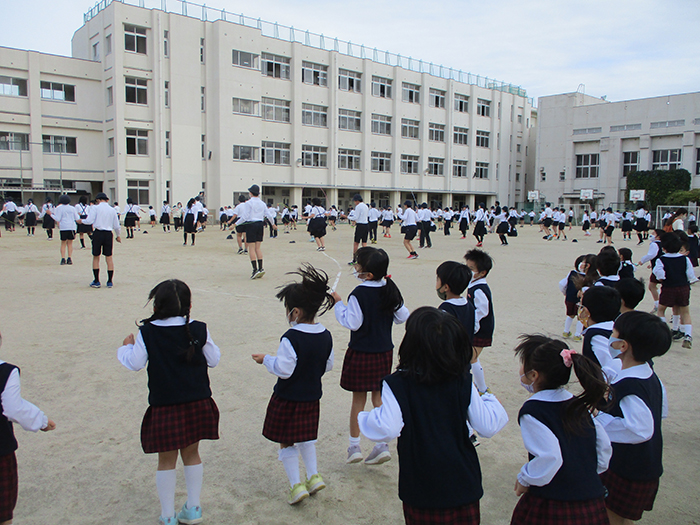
567,448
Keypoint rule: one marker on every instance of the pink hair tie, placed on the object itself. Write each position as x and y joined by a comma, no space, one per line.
388,277
566,356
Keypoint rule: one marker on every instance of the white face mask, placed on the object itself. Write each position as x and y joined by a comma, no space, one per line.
614,352
530,388
359,275
289,320
581,268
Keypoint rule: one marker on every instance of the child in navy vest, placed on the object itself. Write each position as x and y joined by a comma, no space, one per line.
305,353
569,287
14,409
479,296
651,257
181,410
600,306
451,281
608,264
373,308
675,273
633,421
566,447
626,270
631,293
427,404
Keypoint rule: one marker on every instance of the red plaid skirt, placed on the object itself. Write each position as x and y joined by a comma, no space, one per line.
628,498
674,295
464,515
174,427
482,342
364,371
533,510
8,486
291,422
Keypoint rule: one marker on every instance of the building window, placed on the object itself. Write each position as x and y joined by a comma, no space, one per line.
517,148
315,74
135,39
275,109
461,103
436,132
136,90
275,153
381,124
108,45
697,161
13,87
517,177
461,135
137,142
10,141
482,170
96,52
166,94
409,164
166,43
437,98
244,59
204,147
562,176
349,81
630,162
482,139
275,66
410,128
247,153
381,161
666,159
110,147
167,144
312,115
410,93
203,104
381,87
54,91
56,144
349,159
483,107
110,95
587,166
436,166
201,51
349,120
245,107
459,168
137,190
520,119
314,156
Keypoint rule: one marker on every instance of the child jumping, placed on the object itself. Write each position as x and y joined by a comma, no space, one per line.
480,263
181,411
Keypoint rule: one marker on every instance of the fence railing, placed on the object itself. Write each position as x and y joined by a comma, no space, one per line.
319,41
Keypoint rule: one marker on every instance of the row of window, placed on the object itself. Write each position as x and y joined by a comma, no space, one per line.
17,87
11,141
588,164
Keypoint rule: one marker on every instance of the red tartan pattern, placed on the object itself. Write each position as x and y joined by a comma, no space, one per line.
629,498
291,422
364,371
533,510
674,295
482,342
174,427
464,515
8,486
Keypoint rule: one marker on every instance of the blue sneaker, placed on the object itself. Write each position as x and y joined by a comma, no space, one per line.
168,521
95,284
110,284
190,516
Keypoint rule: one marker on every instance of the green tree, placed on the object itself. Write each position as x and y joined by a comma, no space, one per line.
658,185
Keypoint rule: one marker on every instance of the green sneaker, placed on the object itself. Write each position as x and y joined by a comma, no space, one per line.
190,516
315,483
297,493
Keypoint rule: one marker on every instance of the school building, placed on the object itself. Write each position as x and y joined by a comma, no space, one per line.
163,99
588,143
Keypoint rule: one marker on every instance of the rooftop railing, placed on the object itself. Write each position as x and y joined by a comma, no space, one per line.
319,41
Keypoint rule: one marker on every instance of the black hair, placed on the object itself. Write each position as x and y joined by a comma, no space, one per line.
483,260
64,199
592,274
625,254
648,335
376,261
631,291
357,197
173,298
640,205
407,203
310,295
683,237
671,243
129,200
190,203
603,303
543,355
241,198
693,228
608,261
579,260
83,200
435,348
316,201
165,202
455,275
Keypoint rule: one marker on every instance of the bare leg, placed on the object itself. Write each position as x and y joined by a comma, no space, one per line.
359,400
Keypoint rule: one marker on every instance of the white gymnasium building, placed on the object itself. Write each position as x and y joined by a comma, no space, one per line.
588,143
164,98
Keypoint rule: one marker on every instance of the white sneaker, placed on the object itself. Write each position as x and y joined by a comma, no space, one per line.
354,454
380,454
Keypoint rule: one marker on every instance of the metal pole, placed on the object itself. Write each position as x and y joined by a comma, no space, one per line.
21,176
60,166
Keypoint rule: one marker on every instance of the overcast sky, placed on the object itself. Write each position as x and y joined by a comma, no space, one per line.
620,48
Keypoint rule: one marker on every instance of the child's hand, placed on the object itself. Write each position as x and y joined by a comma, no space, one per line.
49,426
336,297
520,489
118,239
258,358
129,340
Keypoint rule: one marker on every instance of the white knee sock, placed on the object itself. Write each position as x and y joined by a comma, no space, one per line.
676,321
687,329
194,475
579,328
290,459
478,376
307,449
656,304
165,483
567,324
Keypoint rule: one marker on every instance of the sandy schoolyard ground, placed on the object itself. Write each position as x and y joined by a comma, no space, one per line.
64,336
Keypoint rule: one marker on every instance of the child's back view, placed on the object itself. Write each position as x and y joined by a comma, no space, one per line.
600,305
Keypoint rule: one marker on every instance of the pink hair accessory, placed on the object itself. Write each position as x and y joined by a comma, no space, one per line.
388,277
566,356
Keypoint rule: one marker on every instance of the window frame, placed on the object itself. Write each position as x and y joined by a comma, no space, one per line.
252,156
483,139
15,141
667,164
314,74
410,164
59,144
255,106
134,189
356,117
461,103
349,159
483,107
587,165
481,170
436,166
10,85
436,98
138,138
254,59
382,87
279,150
49,93
350,81
381,124
628,165
275,66
410,93
381,162
138,88
460,136
408,126
280,108
317,116
460,168
436,132
314,156
139,35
